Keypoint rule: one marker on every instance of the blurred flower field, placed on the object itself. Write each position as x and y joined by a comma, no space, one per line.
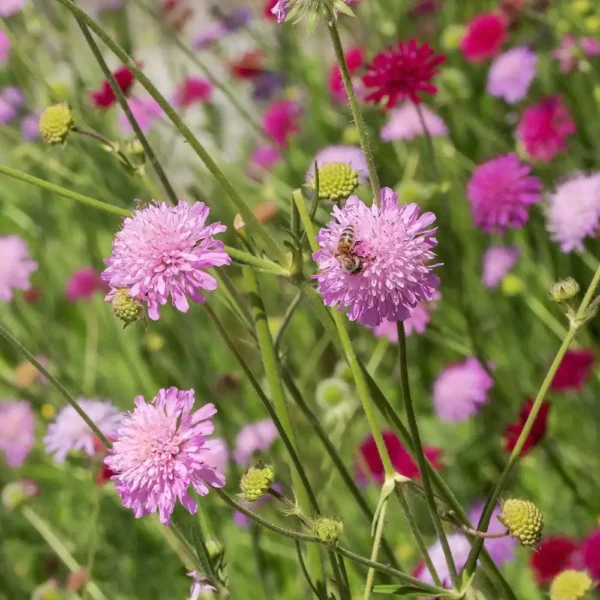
298,299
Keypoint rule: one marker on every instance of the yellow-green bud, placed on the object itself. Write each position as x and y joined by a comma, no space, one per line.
581,6
592,24
452,36
47,591
331,392
343,371
564,290
135,150
570,585
512,285
125,308
55,123
350,136
337,181
12,495
328,529
256,482
523,520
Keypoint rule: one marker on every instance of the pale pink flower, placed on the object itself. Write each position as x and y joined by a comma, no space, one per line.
17,431
497,262
16,266
254,437
10,7
572,49
404,123
511,74
145,111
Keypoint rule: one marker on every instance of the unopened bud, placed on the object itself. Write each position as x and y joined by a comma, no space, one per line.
523,520
337,181
16,492
570,585
125,308
452,36
55,123
47,591
328,529
343,371
564,290
331,392
238,223
256,482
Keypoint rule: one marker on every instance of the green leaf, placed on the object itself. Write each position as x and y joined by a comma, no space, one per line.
408,591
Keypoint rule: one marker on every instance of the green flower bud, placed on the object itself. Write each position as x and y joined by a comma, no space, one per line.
328,529
47,591
564,290
135,151
55,123
14,493
570,585
523,520
337,181
512,285
452,36
256,482
332,391
343,371
125,308
350,136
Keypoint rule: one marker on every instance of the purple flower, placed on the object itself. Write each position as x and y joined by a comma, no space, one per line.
237,18
145,111
459,547
219,459
10,7
4,47
30,126
395,248
11,100
417,322
17,431
348,155
82,284
511,74
572,49
500,192
281,10
404,123
199,585
497,262
254,437
574,211
502,549
69,432
209,34
460,390
266,86
163,251
161,450
16,266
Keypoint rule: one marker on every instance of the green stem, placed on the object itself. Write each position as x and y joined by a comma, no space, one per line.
287,319
92,542
359,121
103,140
375,550
264,264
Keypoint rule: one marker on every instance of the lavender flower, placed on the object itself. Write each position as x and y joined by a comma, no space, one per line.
4,47
16,266
199,585
511,74
161,450
395,248
11,100
69,432
254,437
348,155
459,547
237,18
502,549
404,123
497,262
17,431
30,127
416,323
145,111
163,251
10,7
209,35
572,50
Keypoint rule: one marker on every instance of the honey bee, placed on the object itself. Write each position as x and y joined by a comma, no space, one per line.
345,252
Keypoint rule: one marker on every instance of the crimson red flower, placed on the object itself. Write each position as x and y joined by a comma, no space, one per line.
354,58
401,459
105,97
402,72
485,35
250,65
554,555
591,554
32,295
537,433
192,90
573,370
281,120
267,10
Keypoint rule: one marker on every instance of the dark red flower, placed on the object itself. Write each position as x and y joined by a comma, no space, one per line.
591,554
485,35
354,58
402,72
573,370
192,90
269,5
103,475
401,460
537,433
250,65
32,295
553,555
105,97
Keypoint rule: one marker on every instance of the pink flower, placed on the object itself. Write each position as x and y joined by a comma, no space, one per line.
353,156
572,49
16,266
30,126
4,47
485,35
502,549
281,120
265,157
591,554
160,451
11,101
574,370
459,548
404,123
17,431
497,262
10,7
511,74
354,58
145,111
543,128
254,437
209,35
554,555
163,251
417,322
192,90
82,284
199,585
460,390
500,192
219,459
393,250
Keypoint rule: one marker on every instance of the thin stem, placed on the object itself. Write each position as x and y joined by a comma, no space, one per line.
420,454
359,121
375,550
57,384
92,542
264,264
287,319
483,535
103,140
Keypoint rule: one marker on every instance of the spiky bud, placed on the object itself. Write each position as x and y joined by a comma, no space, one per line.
328,529
256,482
337,181
564,290
570,585
125,308
331,392
55,123
523,520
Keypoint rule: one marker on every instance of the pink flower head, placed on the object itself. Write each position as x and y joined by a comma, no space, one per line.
591,554
404,123
497,262
544,128
354,58
10,7
254,437
395,248
16,266
353,156
4,47
485,35
209,35
554,555
502,549
161,450
82,284
145,111
574,370
416,323
573,211
572,49
193,90
265,157
402,72
163,251
460,390
459,547
69,432
402,461
104,97
199,585
500,192
17,431
281,120
11,101
219,459
511,74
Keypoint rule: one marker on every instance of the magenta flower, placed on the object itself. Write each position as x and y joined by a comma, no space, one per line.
145,111
573,211
10,7
16,266
416,323
264,157
254,437
163,251
394,247
502,549
17,431
544,128
497,262
404,123
352,156
160,451
460,390
511,74
572,49
281,120
500,192
69,432
193,90
82,284
4,47
199,585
